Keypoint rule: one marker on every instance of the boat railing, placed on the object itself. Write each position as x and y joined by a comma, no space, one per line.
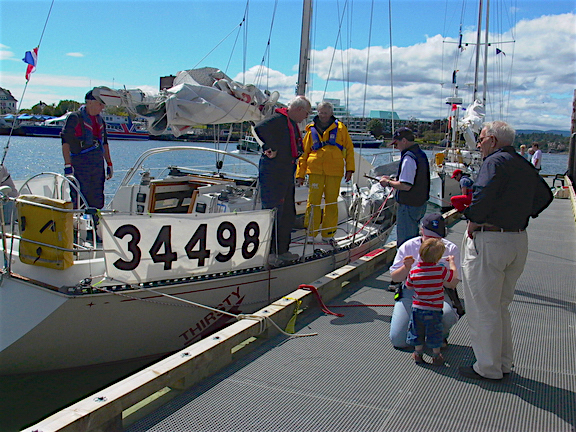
154,151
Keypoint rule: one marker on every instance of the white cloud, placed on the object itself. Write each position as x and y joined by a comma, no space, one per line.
75,54
537,94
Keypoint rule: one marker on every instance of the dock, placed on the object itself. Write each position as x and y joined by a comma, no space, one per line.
344,375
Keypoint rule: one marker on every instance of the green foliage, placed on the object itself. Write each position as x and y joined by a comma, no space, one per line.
375,127
546,141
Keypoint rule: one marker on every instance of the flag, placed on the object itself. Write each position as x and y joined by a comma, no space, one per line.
499,51
31,57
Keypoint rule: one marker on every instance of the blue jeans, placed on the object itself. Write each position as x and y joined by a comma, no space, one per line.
407,222
401,317
425,326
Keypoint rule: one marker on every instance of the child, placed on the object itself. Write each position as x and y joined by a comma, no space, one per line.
428,279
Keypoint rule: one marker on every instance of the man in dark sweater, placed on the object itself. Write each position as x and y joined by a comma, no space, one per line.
281,149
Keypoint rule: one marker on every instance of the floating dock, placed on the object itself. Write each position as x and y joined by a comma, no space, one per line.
348,377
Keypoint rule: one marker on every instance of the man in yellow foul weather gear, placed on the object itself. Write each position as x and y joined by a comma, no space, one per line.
328,155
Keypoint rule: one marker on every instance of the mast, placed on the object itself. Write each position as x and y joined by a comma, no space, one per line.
304,48
485,84
478,34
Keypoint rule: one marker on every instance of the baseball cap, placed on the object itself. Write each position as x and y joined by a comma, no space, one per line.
433,225
402,132
90,96
456,172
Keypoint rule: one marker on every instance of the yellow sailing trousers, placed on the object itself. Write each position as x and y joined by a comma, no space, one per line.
328,187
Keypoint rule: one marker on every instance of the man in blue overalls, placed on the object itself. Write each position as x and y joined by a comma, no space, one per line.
85,148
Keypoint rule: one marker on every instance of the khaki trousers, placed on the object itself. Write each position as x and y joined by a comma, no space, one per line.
492,262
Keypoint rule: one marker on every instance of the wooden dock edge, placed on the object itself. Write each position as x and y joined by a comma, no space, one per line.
117,406
572,195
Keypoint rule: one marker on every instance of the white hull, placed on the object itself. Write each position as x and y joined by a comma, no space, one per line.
442,188
95,311
49,330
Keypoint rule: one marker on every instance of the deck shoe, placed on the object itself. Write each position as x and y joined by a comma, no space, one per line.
469,372
418,358
329,240
288,256
438,360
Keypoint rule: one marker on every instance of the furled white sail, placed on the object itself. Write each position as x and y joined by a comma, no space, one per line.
472,122
199,97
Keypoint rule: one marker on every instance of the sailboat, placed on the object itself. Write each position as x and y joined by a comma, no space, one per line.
464,124
184,250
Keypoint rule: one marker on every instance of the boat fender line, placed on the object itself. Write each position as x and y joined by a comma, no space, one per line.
260,318
319,299
327,311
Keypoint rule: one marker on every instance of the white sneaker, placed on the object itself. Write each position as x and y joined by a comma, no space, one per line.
288,256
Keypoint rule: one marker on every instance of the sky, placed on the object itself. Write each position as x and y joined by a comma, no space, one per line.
131,44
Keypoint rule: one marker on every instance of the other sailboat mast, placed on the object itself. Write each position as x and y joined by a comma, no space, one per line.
304,48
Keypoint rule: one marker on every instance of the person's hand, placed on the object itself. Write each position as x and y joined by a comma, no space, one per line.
450,258
271,154
408,261
385,181
68,170
471,228
348,176
299,181
109,172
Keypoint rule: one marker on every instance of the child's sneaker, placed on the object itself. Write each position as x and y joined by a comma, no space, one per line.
417,357
438,360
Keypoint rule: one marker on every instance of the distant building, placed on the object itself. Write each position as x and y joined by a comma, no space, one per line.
7,102
384,115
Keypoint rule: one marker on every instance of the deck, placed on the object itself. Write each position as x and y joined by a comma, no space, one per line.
350,378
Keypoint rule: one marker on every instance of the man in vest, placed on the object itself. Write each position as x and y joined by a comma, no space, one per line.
282,145
412,186
328,155
85,149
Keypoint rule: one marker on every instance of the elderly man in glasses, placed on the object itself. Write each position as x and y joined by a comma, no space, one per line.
507,192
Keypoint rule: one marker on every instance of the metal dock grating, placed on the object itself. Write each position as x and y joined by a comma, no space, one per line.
349,378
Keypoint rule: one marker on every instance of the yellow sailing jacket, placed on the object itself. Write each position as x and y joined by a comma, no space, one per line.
329,159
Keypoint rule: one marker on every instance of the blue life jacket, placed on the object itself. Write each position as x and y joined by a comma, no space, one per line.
318,144
87,141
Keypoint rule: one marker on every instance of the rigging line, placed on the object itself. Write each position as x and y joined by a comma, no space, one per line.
338,40
14,121
234,46
368,58
217,45
391,67
266,55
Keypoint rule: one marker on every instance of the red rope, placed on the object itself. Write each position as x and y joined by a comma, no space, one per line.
329,312
319,298
364,305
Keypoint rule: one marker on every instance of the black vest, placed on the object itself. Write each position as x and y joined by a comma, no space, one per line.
420,191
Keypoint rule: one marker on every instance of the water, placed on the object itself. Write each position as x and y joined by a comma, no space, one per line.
30,398
29,155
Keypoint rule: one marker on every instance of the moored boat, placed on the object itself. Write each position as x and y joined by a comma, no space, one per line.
177,249
365,140
248,144
117,127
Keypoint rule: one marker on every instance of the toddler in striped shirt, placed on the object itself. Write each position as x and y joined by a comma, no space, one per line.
428,279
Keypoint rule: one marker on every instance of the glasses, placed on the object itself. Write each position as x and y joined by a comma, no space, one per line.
480,140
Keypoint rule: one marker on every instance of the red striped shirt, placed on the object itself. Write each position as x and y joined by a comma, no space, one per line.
427,280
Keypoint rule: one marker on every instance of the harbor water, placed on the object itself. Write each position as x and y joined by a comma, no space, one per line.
27,399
